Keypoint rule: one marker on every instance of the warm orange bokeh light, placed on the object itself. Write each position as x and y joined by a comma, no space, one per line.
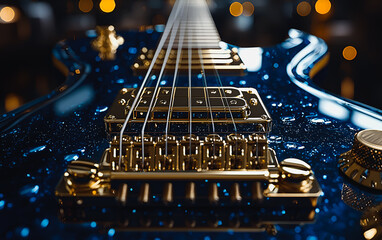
12,101
236,9
85,5
347,88
323,6
349,53
303,9
7,14
107,6
248,9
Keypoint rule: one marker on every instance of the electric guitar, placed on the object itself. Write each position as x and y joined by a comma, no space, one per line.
177,134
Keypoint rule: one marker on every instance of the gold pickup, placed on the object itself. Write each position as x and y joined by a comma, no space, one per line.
226,62
222,106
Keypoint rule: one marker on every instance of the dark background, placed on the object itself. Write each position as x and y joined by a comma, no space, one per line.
26,39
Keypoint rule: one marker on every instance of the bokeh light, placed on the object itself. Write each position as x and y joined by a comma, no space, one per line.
303,9
7,15
248,9
107,6
236,9
85,5
347,88
323,6
349,53
12,101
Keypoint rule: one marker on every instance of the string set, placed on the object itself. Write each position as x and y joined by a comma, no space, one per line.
185,15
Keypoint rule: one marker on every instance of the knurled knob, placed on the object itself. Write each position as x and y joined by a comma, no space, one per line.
367,149
363,163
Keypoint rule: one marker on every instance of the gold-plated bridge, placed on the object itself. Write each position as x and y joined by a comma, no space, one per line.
190,153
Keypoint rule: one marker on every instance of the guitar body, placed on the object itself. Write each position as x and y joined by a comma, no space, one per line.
38,140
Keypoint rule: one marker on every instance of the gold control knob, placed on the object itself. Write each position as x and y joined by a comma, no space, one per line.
363,163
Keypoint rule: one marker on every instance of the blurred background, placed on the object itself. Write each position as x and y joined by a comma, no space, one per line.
30,28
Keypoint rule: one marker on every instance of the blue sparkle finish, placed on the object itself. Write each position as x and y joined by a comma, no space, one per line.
38,139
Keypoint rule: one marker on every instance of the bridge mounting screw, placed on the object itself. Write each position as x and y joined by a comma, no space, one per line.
199,101
122,101
111,117
254,101
295,168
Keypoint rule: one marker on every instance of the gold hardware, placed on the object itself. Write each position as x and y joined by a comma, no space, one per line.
144,194
225,61
213,152
192,153
235,193
213,194
236,151
225,103
167,193
190,191
363,163
296,175
107,42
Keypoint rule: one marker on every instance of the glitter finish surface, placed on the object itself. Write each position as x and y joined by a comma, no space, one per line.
39,139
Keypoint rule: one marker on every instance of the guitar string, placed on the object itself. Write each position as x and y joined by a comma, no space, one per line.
222,91
155,92
190,45
208,102
229,106
166,32
219,86
178,59
225,98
